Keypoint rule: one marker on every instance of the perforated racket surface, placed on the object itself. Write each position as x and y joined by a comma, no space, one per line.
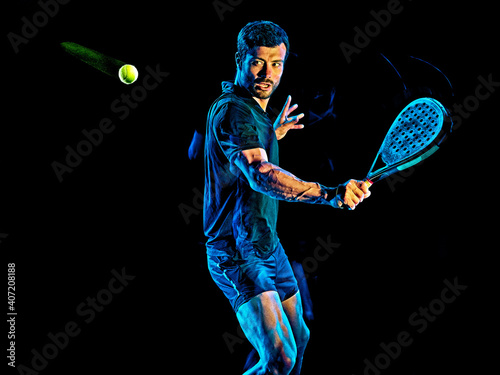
415,134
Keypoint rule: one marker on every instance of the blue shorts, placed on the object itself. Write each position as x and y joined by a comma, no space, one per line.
242,279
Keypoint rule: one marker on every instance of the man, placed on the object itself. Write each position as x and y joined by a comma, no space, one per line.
243,184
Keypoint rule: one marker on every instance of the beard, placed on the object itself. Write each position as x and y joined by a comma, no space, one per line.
261,93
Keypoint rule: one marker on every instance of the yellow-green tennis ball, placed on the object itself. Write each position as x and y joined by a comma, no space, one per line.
128,74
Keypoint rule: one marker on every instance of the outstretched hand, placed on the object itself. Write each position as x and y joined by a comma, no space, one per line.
284,123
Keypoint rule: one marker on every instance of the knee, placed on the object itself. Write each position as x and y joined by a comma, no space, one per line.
307,335
303,338
282,359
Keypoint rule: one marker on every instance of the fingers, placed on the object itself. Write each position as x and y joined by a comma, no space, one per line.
292,108
285,111
365,186
355,193
294,120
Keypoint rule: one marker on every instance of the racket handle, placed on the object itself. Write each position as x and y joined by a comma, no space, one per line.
368,182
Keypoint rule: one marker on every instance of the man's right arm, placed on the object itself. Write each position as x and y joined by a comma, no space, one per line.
277,183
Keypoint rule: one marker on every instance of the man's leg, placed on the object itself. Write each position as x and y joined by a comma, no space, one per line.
266,325
293,310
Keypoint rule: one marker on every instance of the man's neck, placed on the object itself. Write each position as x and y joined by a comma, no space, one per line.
262,102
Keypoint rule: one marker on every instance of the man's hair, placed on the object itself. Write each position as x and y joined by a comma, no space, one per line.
261,34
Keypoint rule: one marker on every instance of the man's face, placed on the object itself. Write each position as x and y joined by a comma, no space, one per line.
261,69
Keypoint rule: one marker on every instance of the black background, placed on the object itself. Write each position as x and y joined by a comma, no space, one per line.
122,207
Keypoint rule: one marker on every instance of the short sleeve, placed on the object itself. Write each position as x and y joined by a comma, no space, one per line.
236,131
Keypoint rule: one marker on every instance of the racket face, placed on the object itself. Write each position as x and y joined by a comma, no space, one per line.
413,130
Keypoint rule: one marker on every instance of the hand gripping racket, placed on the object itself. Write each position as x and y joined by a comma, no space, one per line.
415,134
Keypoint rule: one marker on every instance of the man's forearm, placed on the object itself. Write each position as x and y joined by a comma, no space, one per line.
277,183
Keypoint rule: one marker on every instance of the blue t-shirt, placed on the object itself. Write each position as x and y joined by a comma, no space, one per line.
236,218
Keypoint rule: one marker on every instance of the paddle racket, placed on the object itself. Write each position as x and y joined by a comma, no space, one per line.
416,133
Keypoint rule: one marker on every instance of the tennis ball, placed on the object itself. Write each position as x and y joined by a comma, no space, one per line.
128,74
